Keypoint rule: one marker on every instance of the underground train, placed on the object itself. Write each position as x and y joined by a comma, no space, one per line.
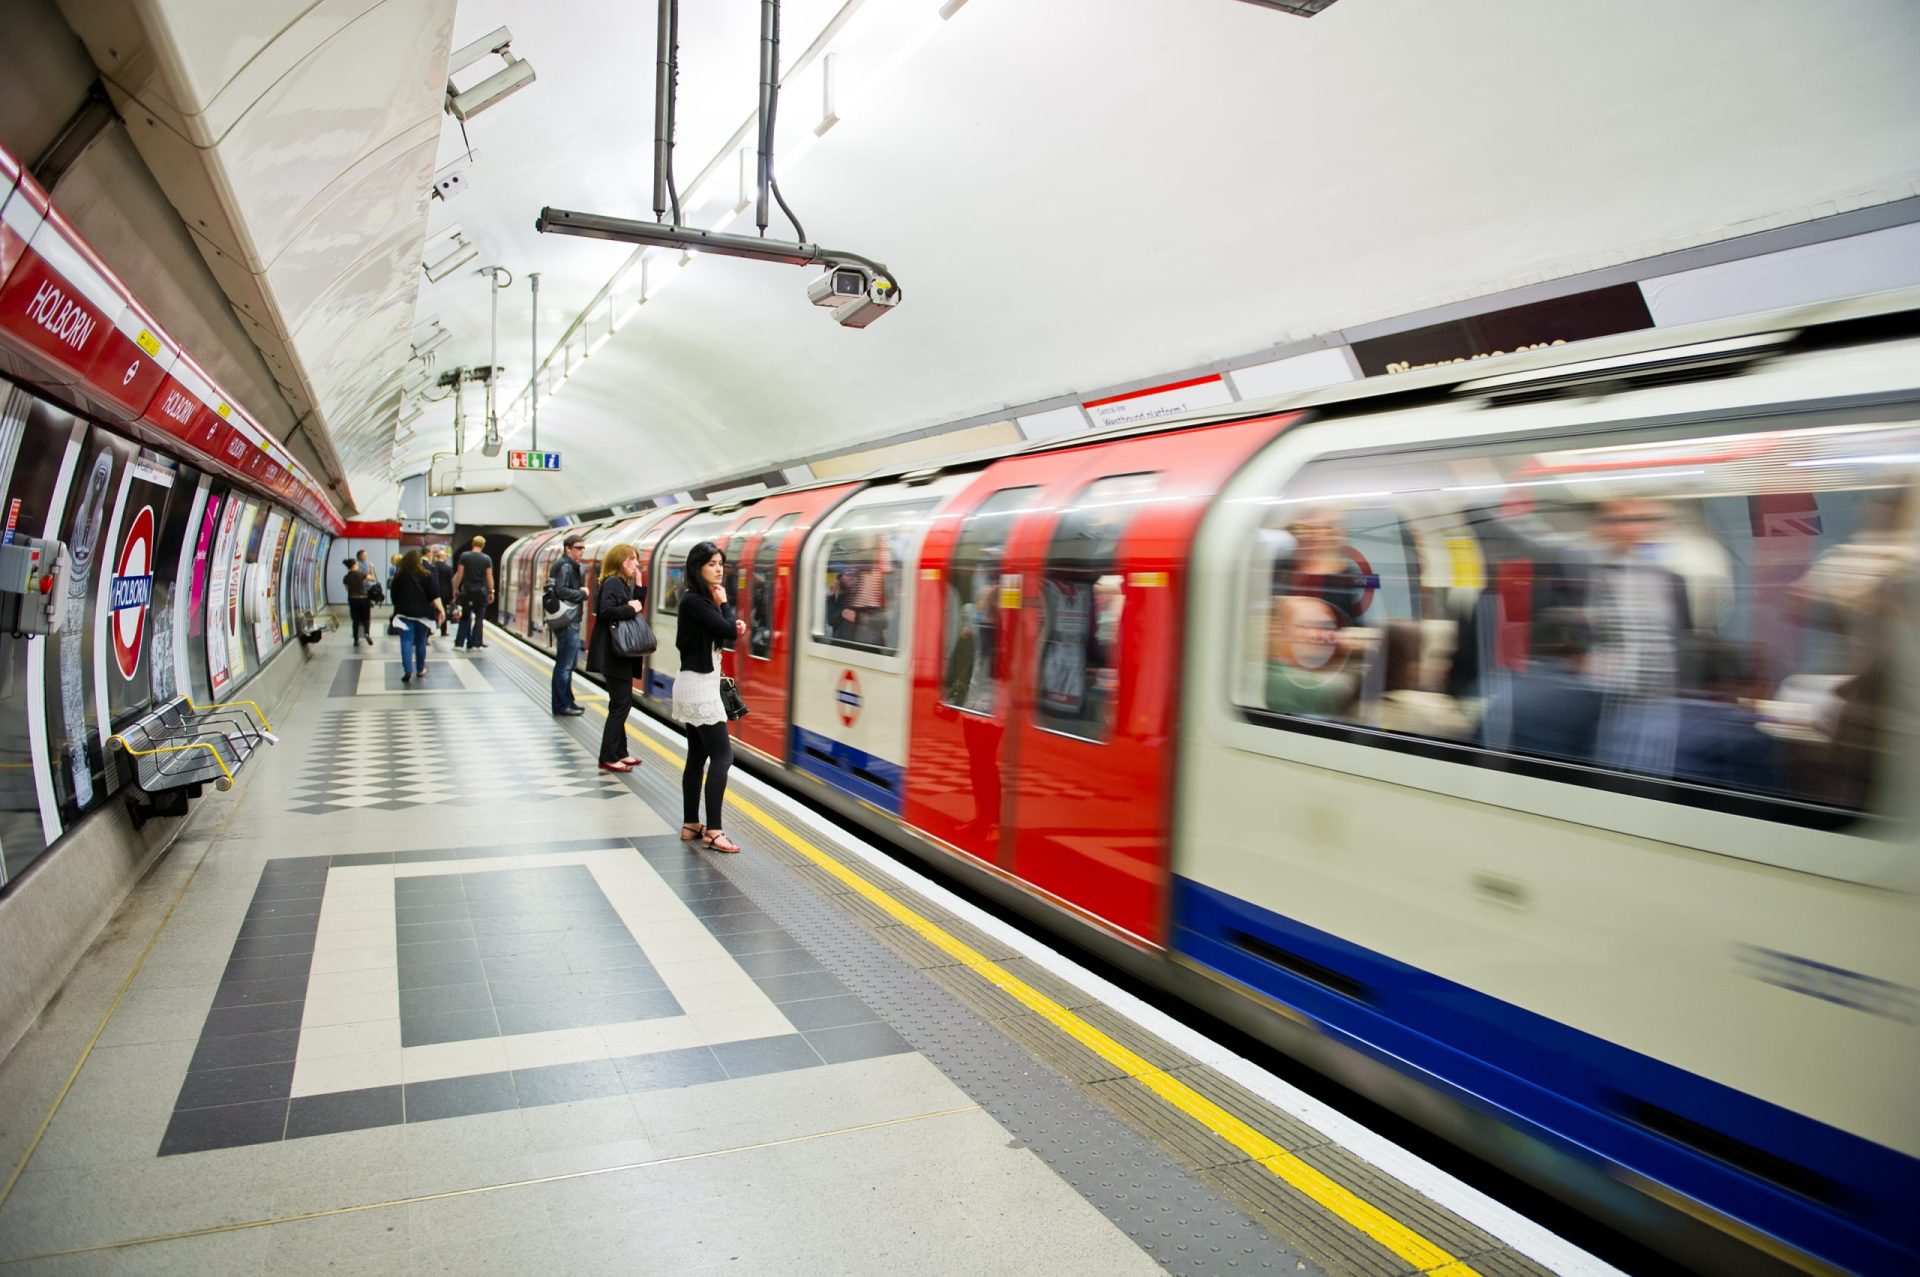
1528,743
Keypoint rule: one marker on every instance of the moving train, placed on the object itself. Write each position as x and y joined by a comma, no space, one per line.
1528,743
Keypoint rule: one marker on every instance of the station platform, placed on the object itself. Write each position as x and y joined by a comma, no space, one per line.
428,993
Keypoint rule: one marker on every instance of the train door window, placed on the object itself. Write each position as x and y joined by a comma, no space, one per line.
1707,617
673,557
861,575
759,587
1081,600
968,681
736,550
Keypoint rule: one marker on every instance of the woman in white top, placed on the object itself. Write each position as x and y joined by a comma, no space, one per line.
706,624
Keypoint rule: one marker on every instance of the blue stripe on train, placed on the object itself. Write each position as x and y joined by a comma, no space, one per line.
1835,1195
659,686
865,776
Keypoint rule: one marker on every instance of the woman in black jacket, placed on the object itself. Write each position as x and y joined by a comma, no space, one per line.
415,599
618,598
707,623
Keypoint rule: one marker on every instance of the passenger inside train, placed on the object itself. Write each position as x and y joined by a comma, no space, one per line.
1710,613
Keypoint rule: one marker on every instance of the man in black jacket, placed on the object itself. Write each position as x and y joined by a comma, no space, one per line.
566,589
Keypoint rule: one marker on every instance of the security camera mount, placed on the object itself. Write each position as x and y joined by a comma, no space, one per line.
857,289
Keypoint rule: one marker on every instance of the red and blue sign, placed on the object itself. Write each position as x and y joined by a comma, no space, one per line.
848,694
132,592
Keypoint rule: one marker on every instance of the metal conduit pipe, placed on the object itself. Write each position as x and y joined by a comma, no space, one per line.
769,21
662,109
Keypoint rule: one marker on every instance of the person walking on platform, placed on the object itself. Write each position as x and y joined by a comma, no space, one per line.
567,595
473,586
443,580
359,605
618,598
707,624
415,600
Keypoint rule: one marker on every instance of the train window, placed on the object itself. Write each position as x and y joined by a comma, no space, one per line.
1709,619
759,587
673,557
973,603
1081,600
860,576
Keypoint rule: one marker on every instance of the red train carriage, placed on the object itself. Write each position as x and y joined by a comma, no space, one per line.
1047,659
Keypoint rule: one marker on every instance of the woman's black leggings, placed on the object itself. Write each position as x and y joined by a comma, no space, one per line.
709,748
613,737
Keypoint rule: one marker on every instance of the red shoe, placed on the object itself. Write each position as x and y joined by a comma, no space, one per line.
621,766
631,761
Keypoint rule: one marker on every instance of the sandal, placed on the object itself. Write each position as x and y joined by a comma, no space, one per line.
716,840
691,831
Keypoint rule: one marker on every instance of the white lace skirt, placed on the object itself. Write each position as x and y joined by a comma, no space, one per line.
696,697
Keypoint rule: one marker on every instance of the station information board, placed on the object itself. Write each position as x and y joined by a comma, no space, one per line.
533,460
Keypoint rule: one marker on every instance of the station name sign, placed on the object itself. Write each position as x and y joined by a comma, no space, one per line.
533,460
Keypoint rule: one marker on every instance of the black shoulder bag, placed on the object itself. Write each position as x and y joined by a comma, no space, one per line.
633,638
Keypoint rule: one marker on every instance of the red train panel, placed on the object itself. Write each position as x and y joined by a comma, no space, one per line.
1071,735
763,590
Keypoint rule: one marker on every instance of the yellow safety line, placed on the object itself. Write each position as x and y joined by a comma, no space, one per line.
1358,1213
121,741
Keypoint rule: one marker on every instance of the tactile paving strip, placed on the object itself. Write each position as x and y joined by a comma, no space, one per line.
1175,1187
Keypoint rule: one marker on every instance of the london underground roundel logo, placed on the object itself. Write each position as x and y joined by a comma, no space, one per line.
132,592
848,696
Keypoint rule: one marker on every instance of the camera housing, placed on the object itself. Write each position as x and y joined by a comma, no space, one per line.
839,286
881,296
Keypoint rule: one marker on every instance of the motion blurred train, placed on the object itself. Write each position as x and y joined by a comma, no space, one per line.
1530,744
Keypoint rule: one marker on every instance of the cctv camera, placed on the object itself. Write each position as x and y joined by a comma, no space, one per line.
839,286
877,299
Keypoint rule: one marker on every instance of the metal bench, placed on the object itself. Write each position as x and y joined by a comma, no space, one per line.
175,750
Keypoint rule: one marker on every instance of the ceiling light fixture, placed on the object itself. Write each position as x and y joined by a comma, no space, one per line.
510,79
458,254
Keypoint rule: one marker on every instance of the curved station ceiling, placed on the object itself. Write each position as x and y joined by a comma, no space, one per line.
1077,198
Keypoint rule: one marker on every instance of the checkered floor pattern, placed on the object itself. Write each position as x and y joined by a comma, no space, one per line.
422,756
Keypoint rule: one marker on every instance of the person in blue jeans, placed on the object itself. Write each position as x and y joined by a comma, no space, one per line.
416,599
566,585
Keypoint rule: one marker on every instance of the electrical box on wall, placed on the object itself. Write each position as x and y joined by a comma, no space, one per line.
33,577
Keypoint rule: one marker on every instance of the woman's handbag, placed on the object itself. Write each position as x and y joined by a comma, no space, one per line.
730,700
633,638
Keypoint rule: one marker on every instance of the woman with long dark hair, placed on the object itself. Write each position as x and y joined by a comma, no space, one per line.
618,598
706,624
416,600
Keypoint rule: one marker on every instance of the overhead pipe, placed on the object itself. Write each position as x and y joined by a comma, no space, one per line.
533,417
769,23
662,108
490,438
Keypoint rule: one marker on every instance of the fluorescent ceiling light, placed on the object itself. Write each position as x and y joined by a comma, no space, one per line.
456,256
502,84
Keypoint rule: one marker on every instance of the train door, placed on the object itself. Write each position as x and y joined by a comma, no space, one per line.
1095,669
663,593
960,700
736,545
763,664
851,675
535,559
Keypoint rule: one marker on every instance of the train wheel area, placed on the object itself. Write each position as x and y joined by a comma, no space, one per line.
428,993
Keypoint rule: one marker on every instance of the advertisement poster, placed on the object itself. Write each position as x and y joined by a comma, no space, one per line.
238,640
75,772
263,595
219,658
